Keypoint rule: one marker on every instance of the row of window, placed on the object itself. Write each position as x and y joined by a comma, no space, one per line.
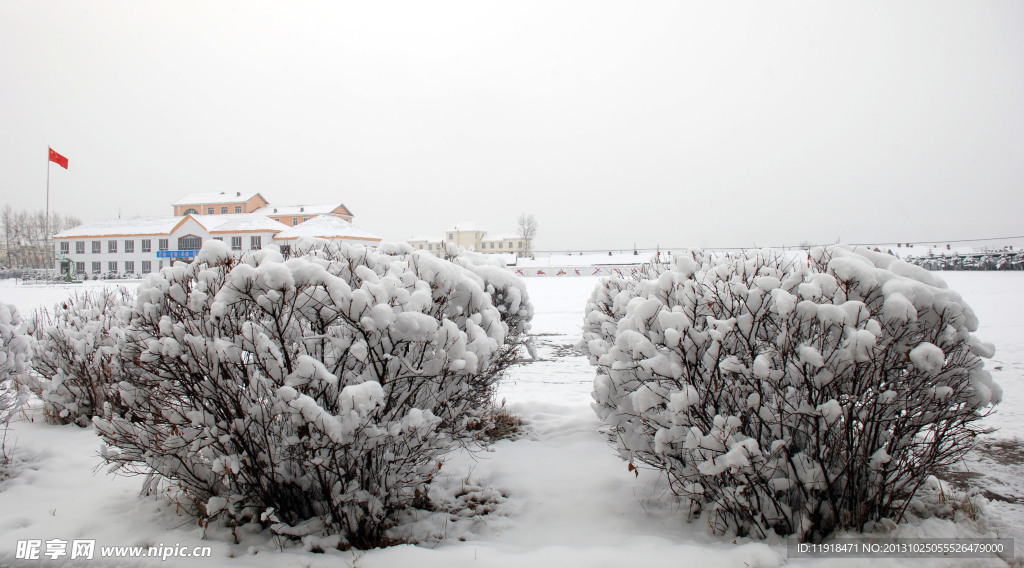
238,209
210,210
97,246
501,245
129,267
255,243
188,242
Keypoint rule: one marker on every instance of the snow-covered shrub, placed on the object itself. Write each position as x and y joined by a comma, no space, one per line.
800,395
15,356
317,394
505,290
508,293
77,355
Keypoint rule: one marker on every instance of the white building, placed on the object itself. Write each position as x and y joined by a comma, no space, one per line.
471,236
144,245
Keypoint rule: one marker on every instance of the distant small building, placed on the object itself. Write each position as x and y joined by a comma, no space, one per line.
470,236
433,245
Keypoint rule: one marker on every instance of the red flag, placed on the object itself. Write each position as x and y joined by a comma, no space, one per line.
58,159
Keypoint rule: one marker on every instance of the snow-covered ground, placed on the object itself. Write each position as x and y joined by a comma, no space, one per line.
569,500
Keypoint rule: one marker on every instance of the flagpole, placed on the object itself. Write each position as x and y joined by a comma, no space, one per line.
46,234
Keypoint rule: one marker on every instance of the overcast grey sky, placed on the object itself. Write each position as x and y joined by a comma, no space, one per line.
660,123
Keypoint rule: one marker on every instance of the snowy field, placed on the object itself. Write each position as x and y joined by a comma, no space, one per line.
569,500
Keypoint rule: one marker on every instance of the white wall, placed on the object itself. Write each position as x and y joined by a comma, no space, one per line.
189,227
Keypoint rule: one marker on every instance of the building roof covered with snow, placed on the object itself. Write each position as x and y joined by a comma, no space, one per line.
239,223
328,227
142,226
123,227
337,208
216,197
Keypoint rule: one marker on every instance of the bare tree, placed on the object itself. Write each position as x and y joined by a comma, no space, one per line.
527,230
25,239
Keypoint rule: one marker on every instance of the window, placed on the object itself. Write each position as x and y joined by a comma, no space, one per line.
147,245
430,246
209,210
451,237
111,246
129,266
190,211
304,219
238,208
421,247
129,246
80,248
95,267
65,248
295,220
112,266
221,239
520,244
224,210
96,247
286,251
190,242
236,243
492,245
162,243
501,244
79,268
147,266
254,242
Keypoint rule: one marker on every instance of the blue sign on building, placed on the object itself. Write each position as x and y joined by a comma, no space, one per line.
176,253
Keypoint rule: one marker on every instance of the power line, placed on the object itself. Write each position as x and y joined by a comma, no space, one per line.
946,241
800,246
